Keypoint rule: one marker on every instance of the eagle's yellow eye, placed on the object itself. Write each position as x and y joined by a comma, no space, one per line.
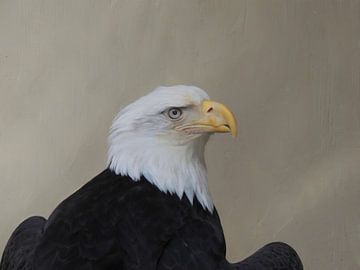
174,113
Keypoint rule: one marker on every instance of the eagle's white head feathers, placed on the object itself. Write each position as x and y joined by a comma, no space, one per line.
162,137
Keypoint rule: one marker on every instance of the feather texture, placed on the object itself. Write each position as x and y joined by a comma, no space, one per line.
113,222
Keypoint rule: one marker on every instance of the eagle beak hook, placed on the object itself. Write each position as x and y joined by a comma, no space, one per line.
219,117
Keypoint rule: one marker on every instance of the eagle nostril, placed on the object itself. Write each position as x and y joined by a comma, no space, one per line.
210,109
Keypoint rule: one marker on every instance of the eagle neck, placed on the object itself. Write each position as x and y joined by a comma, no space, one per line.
174,169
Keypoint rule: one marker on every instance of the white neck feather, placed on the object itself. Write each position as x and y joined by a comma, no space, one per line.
178,169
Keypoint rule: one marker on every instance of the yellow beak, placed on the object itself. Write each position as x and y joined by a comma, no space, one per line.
216,117
219,117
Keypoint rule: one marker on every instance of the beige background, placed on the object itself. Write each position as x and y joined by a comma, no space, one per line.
289,69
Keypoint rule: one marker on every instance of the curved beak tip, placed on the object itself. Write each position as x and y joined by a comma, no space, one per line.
225,114
233,130
234,133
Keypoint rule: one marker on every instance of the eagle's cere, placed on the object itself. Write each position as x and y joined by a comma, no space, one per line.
150,209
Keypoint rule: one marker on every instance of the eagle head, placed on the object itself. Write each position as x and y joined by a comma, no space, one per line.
162,136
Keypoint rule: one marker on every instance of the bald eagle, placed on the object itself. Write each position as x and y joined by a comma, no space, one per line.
150,209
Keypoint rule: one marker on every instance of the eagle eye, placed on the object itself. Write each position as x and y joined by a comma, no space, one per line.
174,113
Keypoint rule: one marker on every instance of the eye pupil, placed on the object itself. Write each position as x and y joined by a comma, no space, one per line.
174,113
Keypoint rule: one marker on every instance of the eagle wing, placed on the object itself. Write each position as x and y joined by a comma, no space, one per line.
21,244
273,256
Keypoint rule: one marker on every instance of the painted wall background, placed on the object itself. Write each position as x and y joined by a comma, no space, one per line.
289,69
